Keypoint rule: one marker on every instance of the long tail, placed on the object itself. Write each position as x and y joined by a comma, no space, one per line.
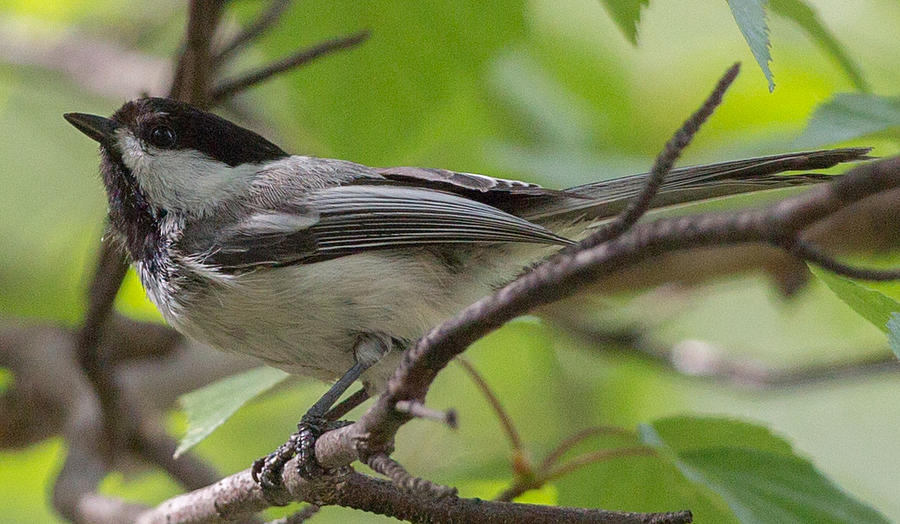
598,200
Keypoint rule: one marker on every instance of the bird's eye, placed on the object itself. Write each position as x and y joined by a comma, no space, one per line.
162,136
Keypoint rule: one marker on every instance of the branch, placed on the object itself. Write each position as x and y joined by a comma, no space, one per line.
512,434
194,70
266,20
661,167
105,283
702,360
229,88
238,494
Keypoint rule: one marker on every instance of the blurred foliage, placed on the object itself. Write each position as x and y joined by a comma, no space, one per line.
871,304
806,17
852,115
543,90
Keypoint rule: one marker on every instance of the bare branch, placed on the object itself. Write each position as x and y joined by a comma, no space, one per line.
229,88
808,251
238,494
363,493
506,422
392,469
703,360
579,437
266,20
420,410
194,70
661,167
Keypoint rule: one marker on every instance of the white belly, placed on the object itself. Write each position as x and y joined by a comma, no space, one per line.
306,318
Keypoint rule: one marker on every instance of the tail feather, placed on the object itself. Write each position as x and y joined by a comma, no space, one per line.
598,200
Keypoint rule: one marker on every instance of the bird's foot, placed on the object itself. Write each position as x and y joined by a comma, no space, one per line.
267,470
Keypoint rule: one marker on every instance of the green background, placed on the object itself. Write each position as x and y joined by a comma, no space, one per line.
544,90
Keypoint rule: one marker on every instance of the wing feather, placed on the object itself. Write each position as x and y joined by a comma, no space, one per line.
351,219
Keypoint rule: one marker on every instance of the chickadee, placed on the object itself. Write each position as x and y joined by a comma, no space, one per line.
328,268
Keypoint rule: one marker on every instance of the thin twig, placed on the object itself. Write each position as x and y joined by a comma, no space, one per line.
346,405
709,363
392,469
524,484
637,207
229,88
515,441
810,252
593,457
420,410
267,19
577,438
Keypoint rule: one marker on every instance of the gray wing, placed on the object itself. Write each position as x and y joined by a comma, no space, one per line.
512,196
351,219
605,198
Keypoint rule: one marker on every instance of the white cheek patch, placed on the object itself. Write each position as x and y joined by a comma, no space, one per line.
183,179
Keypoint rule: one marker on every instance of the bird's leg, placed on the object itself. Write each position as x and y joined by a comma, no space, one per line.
267,470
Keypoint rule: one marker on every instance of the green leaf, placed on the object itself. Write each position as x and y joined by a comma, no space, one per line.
893,327
692,433
873,305
851,115
208,407
626,14
806,17
754,471
763,487
750,16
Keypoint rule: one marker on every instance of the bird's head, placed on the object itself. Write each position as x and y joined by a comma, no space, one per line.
169,156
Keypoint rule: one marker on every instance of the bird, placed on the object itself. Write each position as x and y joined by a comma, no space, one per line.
328,268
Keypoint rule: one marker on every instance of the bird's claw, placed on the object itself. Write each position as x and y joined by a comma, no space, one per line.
309,429
267,471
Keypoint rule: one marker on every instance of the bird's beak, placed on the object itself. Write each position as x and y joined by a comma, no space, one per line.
99,128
